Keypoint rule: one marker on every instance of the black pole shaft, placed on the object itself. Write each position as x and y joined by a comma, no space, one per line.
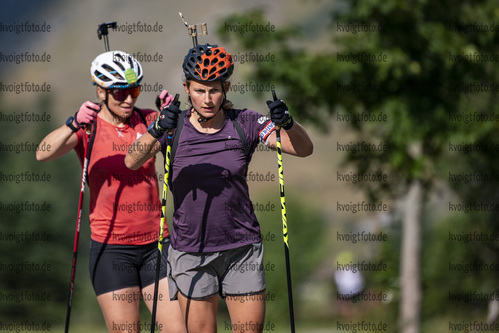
106,43
290,289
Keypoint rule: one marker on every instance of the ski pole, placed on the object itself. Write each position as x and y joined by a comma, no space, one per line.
284,222
193,30
102,31
162,221
77,231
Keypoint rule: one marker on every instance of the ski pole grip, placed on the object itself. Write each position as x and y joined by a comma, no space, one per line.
277,127
102,29
176,101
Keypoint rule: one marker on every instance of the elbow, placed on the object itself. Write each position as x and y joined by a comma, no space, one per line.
310,150
41,157
130,163
307,151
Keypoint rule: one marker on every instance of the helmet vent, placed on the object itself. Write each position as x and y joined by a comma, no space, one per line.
118,55
112,71
101,76
119,65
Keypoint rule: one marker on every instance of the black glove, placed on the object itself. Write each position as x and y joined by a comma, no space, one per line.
167,119
279,114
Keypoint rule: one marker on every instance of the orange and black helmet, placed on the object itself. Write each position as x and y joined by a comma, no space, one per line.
208,63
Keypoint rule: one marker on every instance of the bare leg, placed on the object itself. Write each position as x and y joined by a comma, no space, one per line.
168,314
121,309
247,313
200,315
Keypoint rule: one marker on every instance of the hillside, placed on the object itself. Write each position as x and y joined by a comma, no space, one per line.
56,61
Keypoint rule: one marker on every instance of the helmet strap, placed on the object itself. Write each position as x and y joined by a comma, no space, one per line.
201,118
225,94
106,100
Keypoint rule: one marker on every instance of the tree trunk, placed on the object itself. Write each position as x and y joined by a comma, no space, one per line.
410,274
493,312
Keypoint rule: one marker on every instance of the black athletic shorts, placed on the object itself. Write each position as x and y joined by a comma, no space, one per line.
114,267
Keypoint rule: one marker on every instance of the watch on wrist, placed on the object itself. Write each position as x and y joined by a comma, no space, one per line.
69,123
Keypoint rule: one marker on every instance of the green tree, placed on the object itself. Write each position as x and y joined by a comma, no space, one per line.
405,65
37,223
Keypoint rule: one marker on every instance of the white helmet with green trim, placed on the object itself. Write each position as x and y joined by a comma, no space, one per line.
116,69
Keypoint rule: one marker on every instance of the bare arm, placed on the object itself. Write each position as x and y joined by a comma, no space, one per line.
60,141
294,141
141,151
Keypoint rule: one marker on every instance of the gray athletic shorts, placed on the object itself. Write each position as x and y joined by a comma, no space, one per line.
235,272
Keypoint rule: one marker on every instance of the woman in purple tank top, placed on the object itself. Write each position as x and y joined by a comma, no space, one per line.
216,248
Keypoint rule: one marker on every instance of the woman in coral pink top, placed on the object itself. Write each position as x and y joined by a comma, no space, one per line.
124,203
